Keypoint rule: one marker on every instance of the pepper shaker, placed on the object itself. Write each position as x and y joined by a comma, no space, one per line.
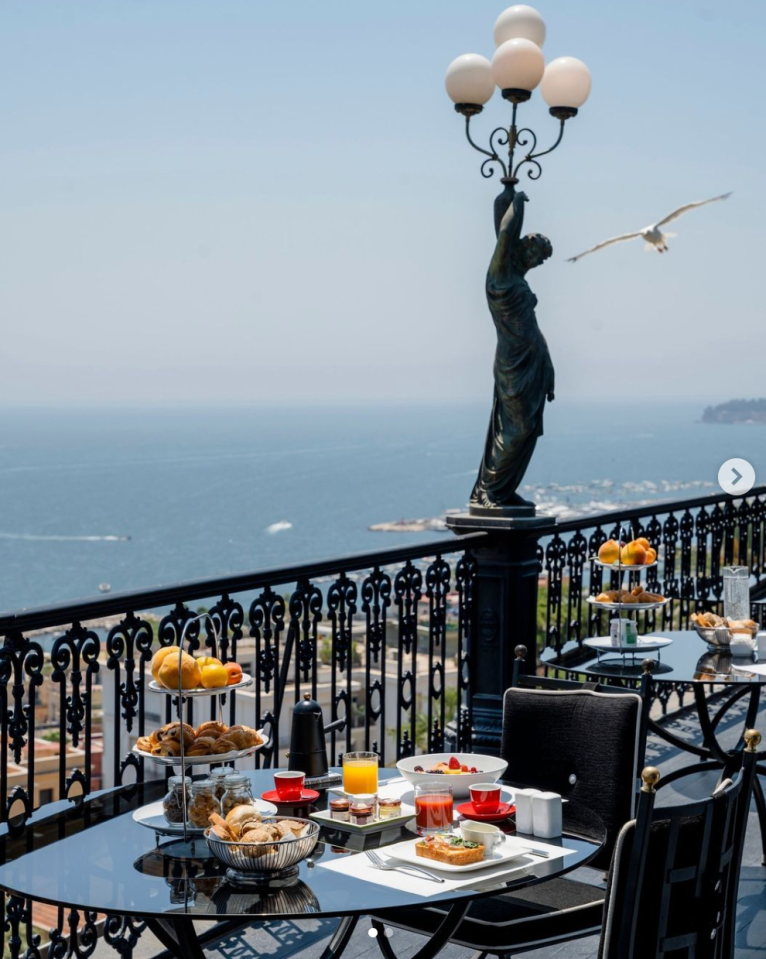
547,815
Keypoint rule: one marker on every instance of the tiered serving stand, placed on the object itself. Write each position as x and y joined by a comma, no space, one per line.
184,838
602,645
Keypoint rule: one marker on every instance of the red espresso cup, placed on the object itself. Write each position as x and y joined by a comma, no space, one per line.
289,785
485,797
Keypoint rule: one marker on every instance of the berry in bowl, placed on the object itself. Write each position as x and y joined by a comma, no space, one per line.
459,770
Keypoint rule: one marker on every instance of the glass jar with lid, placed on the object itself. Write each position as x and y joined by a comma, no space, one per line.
202,803
218,775
173,803
237,792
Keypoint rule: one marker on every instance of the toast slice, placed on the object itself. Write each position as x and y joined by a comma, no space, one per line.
450,849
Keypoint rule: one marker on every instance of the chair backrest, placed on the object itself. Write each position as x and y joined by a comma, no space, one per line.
580,743
674,878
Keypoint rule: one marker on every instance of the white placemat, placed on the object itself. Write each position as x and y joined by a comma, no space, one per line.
358,866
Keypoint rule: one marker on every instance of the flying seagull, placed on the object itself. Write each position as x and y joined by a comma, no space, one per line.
655,238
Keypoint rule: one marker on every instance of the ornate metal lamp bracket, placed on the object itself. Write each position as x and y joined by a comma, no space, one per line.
512,137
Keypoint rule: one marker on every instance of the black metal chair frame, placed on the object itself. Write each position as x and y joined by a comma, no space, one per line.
717,902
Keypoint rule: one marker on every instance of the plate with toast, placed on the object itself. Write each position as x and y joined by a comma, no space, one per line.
449,852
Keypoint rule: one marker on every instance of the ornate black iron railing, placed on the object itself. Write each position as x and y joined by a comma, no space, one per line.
382,639
696,539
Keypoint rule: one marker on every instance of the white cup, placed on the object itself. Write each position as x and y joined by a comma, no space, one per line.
524,812
546,811
482,832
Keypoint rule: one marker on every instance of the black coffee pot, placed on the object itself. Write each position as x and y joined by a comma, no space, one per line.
308,750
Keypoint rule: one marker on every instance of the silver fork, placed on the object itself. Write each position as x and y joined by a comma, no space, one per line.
405,867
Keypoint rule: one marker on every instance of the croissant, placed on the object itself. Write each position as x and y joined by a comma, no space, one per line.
246,734
168,748
173,731
145,744
224,745
212,728
202,746
239,737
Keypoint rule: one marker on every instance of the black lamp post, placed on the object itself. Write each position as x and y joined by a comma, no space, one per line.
508,568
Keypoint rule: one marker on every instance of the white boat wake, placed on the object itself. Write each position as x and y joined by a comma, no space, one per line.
64,539
278,527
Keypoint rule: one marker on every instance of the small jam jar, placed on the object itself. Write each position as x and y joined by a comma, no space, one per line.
237,792
361,813
173,803
218,775
389,808
339,809
202,803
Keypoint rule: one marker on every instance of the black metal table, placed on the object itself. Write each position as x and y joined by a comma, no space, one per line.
691,663
103,861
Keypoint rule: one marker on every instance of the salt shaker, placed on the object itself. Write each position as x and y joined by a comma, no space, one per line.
760,647
546,813
523,801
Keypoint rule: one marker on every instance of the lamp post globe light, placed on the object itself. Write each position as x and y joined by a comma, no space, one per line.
524,378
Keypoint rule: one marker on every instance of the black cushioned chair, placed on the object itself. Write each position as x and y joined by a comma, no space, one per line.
581,743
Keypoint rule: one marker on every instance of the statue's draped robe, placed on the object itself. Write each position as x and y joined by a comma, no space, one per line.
523,373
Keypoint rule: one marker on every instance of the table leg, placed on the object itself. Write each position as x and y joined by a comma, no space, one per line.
178,936
340,938
438,940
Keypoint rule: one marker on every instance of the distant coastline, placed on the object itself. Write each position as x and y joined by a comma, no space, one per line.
736,411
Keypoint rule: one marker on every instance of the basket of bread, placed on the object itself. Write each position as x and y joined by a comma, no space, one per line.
720,631
211,741
254,848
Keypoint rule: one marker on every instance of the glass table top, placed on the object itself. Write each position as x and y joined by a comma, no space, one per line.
105,861
688,659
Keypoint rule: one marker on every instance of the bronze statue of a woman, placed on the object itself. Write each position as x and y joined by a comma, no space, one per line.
523,368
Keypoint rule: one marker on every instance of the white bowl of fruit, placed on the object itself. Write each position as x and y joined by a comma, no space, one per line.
459,770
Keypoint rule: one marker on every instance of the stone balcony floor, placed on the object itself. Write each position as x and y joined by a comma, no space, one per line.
306,940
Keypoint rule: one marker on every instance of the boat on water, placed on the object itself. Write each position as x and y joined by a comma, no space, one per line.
104,587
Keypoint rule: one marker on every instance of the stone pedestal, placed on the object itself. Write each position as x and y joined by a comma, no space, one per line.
505,612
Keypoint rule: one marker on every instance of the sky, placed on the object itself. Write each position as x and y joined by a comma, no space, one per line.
250,202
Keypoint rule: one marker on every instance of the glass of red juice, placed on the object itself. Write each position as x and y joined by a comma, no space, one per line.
433,809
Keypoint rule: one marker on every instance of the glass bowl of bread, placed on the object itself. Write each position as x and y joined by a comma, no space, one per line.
257,849
721,632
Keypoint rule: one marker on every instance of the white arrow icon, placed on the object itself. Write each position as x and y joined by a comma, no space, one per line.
736,477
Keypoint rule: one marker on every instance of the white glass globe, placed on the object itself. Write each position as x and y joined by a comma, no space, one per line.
469,79
520,21
518,64
566,83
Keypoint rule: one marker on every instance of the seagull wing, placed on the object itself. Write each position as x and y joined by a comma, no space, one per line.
690,206
600,246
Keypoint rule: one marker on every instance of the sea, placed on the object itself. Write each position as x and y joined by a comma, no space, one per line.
142,497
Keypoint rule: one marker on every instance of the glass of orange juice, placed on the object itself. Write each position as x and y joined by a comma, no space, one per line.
360,773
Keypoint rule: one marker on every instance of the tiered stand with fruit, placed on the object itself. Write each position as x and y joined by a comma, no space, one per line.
621,558
193,683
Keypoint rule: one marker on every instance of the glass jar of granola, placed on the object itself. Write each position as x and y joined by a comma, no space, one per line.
203,803
237,792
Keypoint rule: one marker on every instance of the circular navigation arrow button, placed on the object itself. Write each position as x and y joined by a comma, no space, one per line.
736,476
